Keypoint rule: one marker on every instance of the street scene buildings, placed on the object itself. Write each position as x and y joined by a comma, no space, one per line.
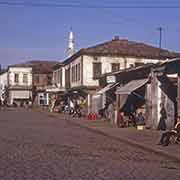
100,82
98,102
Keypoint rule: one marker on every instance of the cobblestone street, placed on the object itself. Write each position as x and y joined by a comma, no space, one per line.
40,147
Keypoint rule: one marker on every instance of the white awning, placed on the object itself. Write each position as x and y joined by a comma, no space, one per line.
107,88
131,86
20,94
55,90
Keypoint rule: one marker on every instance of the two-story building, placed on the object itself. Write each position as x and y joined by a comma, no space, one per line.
19,84
82,69
42,74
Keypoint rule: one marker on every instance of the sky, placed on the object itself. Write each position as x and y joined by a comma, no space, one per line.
38,29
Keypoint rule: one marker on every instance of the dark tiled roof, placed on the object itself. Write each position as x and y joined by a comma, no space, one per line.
57,66
125,48
131,48
39,67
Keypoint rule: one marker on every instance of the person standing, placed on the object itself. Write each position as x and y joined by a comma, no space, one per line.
0,103
110,112
162,122
120,119
140,119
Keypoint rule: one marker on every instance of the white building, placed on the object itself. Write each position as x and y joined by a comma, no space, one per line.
19,84
3,84
81,71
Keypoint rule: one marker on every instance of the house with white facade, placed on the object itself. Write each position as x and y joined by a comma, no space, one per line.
42,73
3,84
19,84
80,72
83,68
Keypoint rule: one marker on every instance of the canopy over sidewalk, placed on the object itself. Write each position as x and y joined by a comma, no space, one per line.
131,86
107,88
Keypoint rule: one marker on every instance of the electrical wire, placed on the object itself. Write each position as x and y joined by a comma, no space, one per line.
92,6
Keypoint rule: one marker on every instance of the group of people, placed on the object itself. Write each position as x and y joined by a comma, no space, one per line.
76,107
133,118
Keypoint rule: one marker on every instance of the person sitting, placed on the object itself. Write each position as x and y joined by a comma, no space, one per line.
132,119
140,119
165,138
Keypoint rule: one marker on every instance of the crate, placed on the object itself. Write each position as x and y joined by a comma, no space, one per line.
140,127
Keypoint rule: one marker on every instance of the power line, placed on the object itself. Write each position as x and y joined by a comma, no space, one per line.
68,5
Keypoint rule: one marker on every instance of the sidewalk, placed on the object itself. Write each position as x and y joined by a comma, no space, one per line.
146,139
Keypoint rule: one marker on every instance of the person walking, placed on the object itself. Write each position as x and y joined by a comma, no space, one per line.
162,122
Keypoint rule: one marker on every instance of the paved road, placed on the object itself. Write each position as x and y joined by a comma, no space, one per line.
36,146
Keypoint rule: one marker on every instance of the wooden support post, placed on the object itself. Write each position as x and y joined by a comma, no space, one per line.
178,94
154,100
117,106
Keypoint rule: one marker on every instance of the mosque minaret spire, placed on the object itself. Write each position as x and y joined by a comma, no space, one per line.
71,43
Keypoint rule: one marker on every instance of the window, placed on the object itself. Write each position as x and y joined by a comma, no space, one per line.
16,78
79,69
43,99
25,78
115,67
96,69
73,74
60,78
49,80
72,71
37,79
95,58
76,72
55,77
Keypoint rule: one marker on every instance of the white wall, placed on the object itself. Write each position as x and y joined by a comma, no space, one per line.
3,83
88,72
20,70
107,66
125,62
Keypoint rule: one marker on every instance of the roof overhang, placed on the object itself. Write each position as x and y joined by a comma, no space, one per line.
131,86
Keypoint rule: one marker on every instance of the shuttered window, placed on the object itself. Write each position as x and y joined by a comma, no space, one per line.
97,69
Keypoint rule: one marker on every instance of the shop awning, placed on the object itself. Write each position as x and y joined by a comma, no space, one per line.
107,88
131,86
55,90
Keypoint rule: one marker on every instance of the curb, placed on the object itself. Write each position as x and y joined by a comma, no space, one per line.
124,140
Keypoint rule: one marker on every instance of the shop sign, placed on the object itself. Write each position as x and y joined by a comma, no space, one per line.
111,79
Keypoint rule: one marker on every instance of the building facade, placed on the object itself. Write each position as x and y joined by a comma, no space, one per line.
80,72
3,85
19,84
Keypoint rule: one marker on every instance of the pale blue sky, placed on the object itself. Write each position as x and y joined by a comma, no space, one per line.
30,32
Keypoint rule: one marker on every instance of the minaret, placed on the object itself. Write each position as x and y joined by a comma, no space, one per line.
71,49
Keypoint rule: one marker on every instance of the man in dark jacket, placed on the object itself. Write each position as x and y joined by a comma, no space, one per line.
0,103
165,138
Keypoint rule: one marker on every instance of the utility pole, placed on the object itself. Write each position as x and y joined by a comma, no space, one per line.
160,36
